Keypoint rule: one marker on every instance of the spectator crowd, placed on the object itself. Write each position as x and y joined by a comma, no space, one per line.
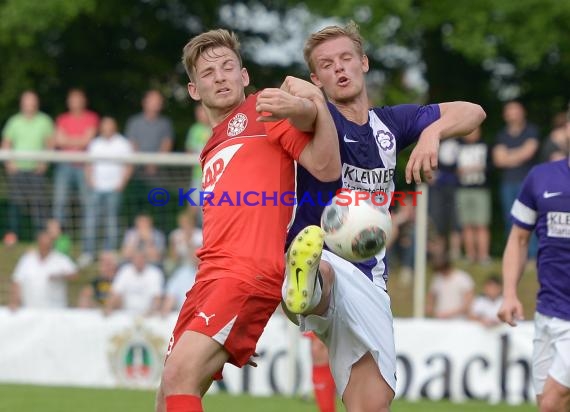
141,270
144,270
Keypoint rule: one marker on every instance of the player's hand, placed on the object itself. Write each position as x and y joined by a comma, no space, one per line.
301,88
276,104
511,311
423,159
251,362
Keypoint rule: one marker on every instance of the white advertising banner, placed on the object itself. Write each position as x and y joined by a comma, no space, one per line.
457,360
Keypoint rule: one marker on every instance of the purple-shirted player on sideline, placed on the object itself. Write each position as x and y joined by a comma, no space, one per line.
353,316
543,205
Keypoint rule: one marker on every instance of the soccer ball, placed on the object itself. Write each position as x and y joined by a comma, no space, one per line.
354,229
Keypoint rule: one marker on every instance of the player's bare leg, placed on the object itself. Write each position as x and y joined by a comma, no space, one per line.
554,398
190,366
367,391
308,280
160,404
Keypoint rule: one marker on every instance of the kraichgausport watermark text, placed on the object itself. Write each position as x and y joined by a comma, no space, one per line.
344,197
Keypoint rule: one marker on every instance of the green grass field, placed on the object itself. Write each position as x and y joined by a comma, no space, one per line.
56,399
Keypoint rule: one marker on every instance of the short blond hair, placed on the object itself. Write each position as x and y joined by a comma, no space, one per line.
332,32
205,41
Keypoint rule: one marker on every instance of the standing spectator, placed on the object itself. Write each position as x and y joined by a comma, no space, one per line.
74,131
29,130
402,248
451,291
106,181
556,146
144,236
149,132
486,307
474,197
515,148
40,277
442,199
137,287
197,137
184,241
97,292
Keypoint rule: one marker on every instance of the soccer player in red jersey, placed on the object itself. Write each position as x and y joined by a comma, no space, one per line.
247,163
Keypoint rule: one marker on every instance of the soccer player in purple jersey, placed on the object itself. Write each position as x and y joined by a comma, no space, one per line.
543,206
347,304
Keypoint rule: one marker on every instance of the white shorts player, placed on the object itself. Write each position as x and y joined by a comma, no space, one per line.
355,319
543,206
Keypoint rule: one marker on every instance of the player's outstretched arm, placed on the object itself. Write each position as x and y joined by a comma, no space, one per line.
456,119
514,260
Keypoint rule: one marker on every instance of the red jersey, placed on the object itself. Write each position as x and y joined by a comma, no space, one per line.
75,126
247,166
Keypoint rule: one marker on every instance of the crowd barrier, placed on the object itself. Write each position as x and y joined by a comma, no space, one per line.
456,360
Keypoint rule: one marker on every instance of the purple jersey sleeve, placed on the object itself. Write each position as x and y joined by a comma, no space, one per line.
524,209
409,120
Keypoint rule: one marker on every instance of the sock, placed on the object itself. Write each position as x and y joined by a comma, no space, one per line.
183,403
324,387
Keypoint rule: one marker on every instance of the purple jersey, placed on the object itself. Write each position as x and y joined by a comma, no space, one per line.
368,155
543,205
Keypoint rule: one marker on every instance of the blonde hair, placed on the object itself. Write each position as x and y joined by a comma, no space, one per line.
205,41
332,32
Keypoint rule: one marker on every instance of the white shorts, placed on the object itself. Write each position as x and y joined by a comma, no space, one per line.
551,351
359,320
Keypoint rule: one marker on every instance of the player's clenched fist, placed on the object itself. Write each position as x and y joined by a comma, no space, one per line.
511,311
301,88
423,159
278,104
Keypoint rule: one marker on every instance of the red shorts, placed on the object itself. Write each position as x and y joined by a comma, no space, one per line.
228,310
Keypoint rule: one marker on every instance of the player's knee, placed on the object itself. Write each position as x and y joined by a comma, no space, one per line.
177,377
550,403
547,406
370,404
381,404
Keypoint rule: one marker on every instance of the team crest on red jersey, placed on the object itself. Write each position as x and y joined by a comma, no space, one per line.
237,124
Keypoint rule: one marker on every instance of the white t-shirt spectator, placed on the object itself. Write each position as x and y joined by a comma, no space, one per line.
137,290
450,290
33,275
486,308
107,176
